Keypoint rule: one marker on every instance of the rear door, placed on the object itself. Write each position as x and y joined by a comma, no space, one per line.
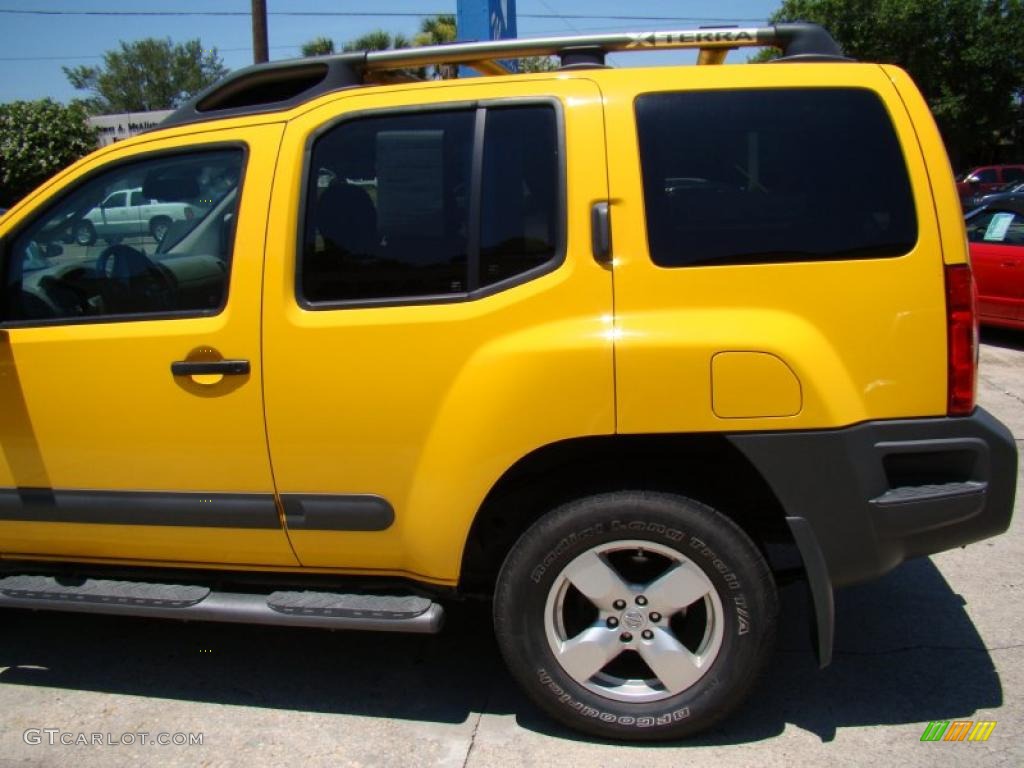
433,310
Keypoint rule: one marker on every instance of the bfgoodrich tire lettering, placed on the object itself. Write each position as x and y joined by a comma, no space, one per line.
636,615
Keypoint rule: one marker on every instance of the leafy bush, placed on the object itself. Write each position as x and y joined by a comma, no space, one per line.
37,139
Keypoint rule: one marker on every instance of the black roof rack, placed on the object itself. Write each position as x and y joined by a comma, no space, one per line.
279,86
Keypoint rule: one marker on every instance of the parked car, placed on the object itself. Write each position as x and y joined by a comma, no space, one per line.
128,212
987,178
996,236
620,349
1012,191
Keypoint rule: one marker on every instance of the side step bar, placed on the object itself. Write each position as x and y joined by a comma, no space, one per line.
377,613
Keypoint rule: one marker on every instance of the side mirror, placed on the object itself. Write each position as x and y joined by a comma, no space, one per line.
53,250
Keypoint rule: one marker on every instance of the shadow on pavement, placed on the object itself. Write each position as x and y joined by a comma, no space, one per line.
906,652
1003,337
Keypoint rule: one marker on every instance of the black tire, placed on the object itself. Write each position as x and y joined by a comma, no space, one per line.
688,533
158,226
84,233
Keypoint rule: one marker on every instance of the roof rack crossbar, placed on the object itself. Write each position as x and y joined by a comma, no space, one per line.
488,67
282,85
793,39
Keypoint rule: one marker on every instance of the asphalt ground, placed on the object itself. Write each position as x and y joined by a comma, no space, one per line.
937,639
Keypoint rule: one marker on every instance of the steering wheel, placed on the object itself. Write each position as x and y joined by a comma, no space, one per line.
60,298
133,282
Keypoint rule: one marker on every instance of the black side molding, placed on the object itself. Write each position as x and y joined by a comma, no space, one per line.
327,512
202,510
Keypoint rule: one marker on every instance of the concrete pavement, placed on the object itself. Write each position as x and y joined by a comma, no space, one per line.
937,639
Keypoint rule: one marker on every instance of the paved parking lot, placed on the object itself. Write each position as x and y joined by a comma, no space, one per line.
938,639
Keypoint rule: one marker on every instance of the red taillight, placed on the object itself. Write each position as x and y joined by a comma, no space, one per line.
189,214
962,329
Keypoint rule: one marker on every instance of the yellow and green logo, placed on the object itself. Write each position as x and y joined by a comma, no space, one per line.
958,730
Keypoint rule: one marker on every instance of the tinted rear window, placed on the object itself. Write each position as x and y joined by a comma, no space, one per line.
752,176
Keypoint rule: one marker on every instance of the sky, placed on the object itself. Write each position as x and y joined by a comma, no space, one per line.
34,47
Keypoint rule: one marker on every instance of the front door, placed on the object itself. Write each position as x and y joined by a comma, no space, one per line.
125,435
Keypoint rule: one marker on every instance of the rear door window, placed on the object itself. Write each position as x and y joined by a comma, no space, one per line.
432,205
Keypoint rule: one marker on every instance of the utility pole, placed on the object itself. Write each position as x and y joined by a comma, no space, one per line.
259,31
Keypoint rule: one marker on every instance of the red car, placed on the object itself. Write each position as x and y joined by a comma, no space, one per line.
996,236
986,178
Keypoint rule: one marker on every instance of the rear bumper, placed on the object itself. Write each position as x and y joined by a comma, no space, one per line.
873,495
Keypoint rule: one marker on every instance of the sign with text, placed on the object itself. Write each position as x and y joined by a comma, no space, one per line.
117,127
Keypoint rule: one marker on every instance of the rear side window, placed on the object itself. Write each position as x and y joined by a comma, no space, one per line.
519,200
756,176
431,205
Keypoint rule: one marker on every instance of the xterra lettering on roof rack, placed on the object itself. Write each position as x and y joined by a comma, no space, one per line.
670,39
279,86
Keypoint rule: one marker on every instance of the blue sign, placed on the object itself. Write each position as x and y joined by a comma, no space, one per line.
486,20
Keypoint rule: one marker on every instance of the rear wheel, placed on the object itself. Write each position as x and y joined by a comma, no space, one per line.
636,615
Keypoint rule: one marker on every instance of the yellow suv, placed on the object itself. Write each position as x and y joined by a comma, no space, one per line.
590,341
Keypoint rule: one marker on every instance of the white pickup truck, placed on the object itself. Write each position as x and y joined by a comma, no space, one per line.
127,213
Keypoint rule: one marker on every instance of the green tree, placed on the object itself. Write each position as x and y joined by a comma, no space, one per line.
318,46
377,40
147,75
437,30
37,139
538,64
967,57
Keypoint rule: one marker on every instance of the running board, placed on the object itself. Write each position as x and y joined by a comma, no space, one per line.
330,610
